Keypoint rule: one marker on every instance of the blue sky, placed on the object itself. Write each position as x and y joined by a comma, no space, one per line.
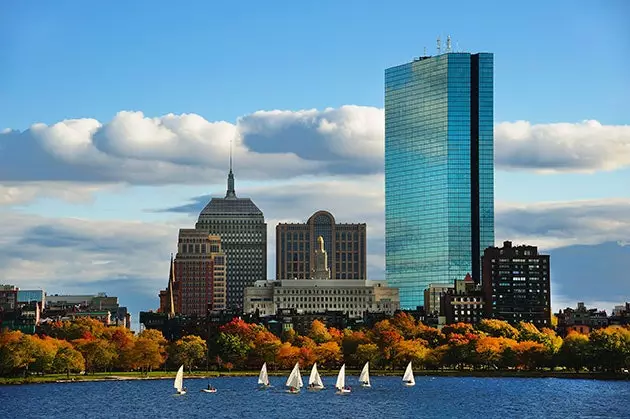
560,62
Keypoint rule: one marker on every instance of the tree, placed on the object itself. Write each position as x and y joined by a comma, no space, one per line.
488,350
17,351
44,351
189,351
264,348
498,328
67,359
123,341
530,354
575,351
287,355
349,344
368,352
328,354
98,353
147,354
412,350
406,325
318,332
611,348
232,348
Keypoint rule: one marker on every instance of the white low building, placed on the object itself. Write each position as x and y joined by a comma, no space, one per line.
351,296
320,294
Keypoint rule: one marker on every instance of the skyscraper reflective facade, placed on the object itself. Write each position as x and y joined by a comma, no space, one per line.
439,170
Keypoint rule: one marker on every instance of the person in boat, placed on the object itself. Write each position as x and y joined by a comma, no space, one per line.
210,387
293,389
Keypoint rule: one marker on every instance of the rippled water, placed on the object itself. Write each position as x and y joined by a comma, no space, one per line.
238,397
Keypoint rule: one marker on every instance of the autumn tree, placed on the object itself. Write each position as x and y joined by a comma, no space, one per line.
98,353
406,325
190,351
498,328
44,351
148,351
123,340
328,354
264,348
319,332
530,354
410,350
67,359
287,355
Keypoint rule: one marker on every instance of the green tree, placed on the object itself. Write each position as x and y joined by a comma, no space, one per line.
98,353
368,352
412,350
611,348
232,348
575,351
67,359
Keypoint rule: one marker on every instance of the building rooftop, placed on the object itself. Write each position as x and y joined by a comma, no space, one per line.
230,206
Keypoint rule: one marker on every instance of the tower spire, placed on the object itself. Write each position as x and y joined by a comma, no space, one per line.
230,186
171,281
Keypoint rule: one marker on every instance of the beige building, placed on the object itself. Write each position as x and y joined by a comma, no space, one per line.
352,296
296,248
432,297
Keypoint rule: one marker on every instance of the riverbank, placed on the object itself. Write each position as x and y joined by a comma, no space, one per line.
165,375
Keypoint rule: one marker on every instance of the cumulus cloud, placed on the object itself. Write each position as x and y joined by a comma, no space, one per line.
187,148
558,224
587,146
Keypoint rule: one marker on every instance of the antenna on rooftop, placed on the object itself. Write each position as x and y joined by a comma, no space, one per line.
439,45
448,43
425,51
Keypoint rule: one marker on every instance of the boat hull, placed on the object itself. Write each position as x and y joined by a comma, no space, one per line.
409,384
343,391
205,390
366,385
180,392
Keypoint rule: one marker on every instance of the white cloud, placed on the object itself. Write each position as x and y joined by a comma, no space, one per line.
186,148
587,146
557,224
17,193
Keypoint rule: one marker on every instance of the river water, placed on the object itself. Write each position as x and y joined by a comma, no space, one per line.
238,397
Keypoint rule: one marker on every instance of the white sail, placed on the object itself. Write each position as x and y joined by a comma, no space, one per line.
408,377
314,380
364,378
341,378
263,378
295,379
179,379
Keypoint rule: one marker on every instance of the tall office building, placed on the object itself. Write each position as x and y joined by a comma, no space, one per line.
439,170
296,246
517,285
243,231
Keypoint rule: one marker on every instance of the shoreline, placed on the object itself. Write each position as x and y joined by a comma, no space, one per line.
160,375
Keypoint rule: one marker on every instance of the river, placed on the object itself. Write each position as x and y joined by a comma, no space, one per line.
238,397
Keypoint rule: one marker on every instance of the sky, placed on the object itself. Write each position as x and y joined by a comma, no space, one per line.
116,119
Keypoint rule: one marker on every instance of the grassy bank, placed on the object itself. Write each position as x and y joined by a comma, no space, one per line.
157,375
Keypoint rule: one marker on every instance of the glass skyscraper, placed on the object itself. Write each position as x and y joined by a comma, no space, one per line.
439,170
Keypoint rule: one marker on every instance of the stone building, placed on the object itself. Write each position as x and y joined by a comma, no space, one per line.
345,244
352,297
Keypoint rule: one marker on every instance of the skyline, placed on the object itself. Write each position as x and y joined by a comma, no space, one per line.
135,181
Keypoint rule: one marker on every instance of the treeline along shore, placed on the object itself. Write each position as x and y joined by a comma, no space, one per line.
86,349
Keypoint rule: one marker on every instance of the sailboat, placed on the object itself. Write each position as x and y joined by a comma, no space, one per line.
315,381
294,382
179,381
263,378
364,378
408,378
340,385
